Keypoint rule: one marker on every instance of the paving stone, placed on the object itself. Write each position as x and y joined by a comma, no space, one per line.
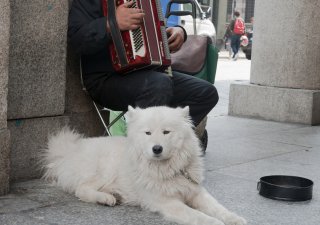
18,219
68,209
302,163
14,205
228,128
305,136
40,191
226,153
241,196
79,213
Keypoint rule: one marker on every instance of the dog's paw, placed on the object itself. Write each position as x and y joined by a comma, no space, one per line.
106,199
233,219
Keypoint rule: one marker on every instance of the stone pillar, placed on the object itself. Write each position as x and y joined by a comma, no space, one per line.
222,19
4,63
45,93
285,72
37,80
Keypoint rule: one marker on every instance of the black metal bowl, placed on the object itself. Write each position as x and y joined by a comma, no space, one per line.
286,188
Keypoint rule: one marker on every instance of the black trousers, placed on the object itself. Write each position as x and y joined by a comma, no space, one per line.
151,88
235,43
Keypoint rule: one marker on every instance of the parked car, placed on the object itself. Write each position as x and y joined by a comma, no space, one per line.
203,24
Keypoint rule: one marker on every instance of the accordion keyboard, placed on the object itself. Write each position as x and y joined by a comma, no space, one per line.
136,36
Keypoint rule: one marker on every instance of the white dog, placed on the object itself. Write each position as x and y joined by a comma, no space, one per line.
157,166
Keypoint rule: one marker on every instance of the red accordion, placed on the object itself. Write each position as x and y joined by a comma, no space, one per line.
145,47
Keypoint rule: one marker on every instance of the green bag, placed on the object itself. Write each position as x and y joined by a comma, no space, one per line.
209,69
119,128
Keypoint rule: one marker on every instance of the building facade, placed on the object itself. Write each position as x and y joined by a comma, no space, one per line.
245,7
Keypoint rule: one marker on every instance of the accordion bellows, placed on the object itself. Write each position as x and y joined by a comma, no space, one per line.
143,48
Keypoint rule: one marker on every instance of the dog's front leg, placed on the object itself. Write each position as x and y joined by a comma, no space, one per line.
204,202
89,192
176,211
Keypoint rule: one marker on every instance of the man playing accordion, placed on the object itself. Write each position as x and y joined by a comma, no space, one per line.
89,35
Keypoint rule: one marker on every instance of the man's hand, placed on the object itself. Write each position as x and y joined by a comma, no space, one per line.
176,38
129,18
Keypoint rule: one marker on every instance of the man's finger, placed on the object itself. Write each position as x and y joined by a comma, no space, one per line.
134,27
127,4
135,11
172,38
137,15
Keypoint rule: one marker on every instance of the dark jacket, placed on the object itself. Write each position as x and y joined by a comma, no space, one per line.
88,36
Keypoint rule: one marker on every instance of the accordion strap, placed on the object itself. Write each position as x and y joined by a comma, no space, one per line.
110,12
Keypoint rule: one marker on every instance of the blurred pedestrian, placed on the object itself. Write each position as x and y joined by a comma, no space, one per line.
237,27
227,40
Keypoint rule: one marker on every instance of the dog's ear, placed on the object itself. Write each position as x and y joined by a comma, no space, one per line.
130,108
131,112
186,111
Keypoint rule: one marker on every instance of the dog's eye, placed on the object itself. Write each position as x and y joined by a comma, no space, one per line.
148,133
166,132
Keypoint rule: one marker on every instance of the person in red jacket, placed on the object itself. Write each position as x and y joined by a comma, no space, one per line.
89,35
237,26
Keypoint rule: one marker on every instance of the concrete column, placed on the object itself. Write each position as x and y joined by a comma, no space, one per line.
4,63
285,72
45,93
222,18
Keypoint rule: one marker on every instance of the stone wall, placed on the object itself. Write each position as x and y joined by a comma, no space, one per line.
45,93
37,58
4,62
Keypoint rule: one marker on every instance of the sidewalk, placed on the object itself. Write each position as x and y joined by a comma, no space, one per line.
239,152
225,54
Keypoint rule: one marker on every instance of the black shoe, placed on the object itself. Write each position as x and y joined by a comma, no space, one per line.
204,141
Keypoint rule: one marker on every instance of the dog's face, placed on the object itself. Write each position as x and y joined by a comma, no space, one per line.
158,133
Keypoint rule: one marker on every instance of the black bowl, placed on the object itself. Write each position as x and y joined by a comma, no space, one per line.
287,188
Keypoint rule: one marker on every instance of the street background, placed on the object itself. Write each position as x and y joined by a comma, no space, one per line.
229,71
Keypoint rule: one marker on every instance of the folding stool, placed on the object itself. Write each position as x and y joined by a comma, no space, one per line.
107,123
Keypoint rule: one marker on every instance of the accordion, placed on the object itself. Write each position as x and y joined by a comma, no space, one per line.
143,48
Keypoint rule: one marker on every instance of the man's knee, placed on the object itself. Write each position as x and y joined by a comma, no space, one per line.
158,91
163,85
214,95
210,95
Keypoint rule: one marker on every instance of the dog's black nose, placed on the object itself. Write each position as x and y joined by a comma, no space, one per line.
157,149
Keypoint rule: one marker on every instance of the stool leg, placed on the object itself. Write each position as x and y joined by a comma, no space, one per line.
106,128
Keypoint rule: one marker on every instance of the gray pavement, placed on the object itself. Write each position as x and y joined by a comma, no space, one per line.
240,151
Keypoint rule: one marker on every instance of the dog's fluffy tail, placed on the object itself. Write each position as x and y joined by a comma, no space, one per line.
60,145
